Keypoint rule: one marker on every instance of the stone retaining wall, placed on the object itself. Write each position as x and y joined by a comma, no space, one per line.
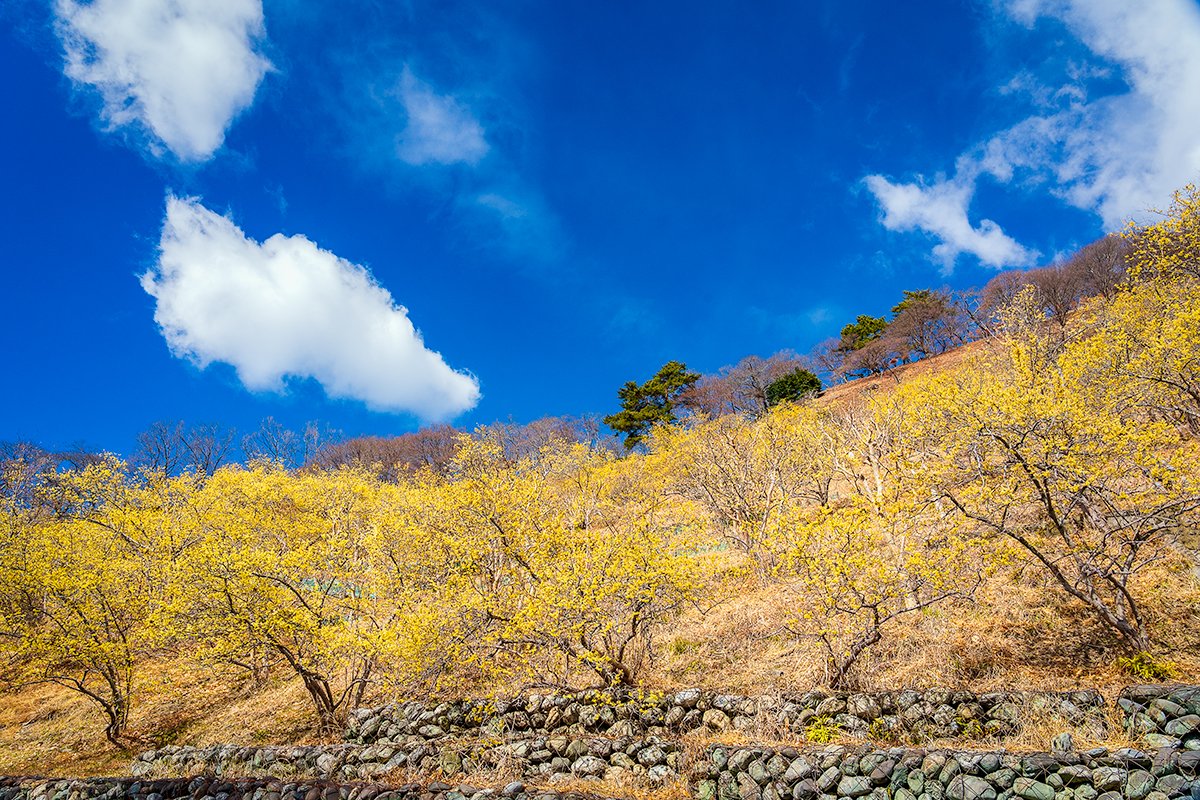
902,715
840,773
651,760
1164,716
208,788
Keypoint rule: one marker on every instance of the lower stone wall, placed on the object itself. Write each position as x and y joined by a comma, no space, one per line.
833,773
650,760
209,788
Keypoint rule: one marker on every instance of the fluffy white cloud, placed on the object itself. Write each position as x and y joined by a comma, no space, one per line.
440,129
286,308
177,70
1116,155
940,209
1120,154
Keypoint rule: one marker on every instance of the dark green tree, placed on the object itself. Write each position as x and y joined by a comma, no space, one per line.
914,297
795,385
652,403
864,329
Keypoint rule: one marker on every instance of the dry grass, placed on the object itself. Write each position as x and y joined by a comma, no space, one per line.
49,730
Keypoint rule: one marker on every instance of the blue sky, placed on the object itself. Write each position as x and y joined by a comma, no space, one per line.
379,214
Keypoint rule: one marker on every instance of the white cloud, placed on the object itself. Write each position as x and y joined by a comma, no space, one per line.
286,308
1120,154
177,70
1116,155
940,209
440,129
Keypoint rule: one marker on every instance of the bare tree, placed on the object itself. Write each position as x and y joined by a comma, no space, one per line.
433,448
160,448
292,449
1099,268
208,446
742,387
928,323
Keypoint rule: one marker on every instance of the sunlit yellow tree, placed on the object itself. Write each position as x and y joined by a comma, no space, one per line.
89,582
1047,449
279,576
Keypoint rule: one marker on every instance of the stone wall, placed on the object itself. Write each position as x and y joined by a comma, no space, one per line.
652,759
831,773
210,788
901,715
1164,716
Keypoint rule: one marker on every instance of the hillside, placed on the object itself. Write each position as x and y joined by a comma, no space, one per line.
1016,514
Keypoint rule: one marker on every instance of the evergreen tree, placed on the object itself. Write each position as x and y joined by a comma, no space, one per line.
651,403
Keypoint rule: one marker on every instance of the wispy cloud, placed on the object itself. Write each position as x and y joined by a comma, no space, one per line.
1121,154
439,129
1114,154
286,308
172,72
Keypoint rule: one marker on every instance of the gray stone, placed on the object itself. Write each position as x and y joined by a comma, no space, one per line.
576,749
1062,743
651,756
1108,778
622,760
726,787
1172,785
797,770
805,790
589,716
589,765
1030,789
1138,784
758,772
949,771
748,788
1183,726
777,765
1168,707
1075,774
706,790
658,773
740,759
620,729
854,786
1158,741
829,779
863,706
966,787
1003,777
687,698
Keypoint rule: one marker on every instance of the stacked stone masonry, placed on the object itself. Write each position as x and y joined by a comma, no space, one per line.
212,788
841,773
908,715
635,740
1163,716
651,759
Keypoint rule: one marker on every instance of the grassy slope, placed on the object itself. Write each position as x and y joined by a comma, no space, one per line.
1019,633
